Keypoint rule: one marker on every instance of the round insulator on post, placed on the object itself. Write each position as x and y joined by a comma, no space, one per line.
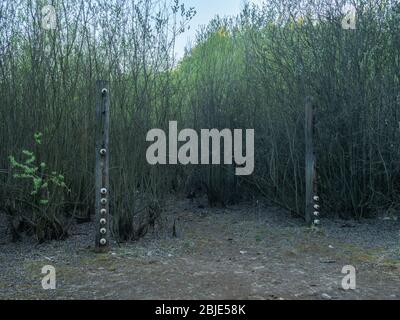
317,222
103,191
316,213
103,242
103,201
103,221
316,207
103,152
316,198
104,91
103,231
103,211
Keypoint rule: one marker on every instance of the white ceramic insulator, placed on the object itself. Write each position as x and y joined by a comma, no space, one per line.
103,242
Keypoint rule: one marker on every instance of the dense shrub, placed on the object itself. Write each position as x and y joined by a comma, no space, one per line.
250,71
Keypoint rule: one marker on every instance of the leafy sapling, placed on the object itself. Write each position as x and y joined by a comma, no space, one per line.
30,169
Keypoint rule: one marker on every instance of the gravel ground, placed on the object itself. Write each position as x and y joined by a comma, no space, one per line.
238,253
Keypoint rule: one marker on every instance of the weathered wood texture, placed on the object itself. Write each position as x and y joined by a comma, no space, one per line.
310,163
102,199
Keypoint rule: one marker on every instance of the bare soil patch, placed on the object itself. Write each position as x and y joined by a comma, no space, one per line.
242,252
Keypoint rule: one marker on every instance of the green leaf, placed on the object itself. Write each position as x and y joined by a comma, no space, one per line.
44,202
38,137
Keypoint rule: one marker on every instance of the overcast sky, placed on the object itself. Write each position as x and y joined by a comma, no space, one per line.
206,10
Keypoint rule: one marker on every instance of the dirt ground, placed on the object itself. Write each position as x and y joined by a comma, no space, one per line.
244,252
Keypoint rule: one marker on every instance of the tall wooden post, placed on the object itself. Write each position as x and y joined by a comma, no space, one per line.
102,198
312,199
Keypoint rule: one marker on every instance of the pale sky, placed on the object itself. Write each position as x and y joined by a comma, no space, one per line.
206,10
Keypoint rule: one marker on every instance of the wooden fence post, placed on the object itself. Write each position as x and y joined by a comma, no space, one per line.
102,198
312,200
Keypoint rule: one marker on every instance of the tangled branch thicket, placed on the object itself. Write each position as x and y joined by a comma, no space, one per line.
250,71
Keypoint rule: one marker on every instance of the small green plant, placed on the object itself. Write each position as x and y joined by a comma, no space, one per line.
45,191
37,174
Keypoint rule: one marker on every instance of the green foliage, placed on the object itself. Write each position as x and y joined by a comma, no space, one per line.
255,71
41,181
250,71
48,83
38,137
44,194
